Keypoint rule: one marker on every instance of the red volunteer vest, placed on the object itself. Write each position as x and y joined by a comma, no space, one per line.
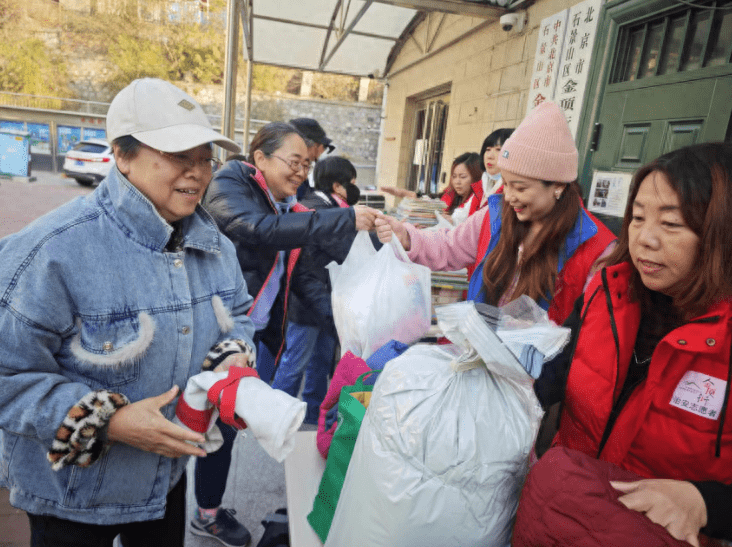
572,278
670,425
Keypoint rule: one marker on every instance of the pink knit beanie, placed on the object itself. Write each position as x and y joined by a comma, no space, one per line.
542,147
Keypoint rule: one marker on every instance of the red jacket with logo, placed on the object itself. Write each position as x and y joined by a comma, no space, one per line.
477,187
677,423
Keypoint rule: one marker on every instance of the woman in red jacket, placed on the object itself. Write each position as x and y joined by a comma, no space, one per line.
465,191
645,382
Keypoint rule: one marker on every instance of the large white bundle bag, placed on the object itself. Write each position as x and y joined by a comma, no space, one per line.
444,447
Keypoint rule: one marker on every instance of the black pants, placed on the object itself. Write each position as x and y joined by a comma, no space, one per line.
166,532
211,472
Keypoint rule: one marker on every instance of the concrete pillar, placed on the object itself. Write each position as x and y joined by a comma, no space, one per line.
363,90
247,108
228,119
306,87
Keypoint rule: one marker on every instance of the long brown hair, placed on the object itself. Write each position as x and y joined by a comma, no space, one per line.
472,163
701,176
538,268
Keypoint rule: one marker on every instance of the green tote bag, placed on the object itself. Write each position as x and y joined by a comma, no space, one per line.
352,406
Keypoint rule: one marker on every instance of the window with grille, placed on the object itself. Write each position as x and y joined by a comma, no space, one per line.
683,40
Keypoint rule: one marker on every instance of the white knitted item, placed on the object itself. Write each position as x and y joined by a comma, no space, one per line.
271,415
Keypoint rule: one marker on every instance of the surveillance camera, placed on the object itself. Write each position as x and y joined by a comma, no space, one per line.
511,21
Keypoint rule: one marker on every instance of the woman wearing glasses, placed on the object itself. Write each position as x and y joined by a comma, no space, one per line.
109,305
253,202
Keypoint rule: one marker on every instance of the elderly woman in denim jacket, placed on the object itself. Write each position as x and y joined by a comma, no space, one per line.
107,306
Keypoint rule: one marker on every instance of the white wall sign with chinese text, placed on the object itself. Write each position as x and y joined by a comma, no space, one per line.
575,62
609,193
547,59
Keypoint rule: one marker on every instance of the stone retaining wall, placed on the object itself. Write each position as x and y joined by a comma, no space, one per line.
353,127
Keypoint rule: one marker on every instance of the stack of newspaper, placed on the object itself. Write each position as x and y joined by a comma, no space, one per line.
448,288
420,212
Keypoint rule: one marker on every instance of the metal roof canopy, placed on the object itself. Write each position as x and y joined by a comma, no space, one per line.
353,37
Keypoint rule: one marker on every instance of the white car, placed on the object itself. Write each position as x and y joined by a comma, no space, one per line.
89,161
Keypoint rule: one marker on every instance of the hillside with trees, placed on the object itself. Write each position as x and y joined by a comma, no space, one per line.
182,41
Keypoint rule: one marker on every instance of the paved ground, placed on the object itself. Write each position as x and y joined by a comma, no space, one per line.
256,483
22,202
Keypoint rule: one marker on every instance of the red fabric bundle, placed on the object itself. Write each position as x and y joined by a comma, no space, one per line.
567,500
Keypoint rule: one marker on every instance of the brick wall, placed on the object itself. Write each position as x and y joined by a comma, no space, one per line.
487,73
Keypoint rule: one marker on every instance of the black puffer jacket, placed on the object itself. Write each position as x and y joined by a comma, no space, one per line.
239,201
314,261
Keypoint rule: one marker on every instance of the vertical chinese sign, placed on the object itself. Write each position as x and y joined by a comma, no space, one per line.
547,59
574,65
561,62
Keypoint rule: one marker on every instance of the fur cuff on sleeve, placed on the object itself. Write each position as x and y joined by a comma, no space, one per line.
229,347
82,437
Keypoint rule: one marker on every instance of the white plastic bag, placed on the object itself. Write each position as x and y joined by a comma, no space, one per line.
522,329
442,454
378,297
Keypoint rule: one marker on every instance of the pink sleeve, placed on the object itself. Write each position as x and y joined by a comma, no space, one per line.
447,249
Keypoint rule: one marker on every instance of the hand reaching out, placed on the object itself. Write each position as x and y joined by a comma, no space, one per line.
398,192
387,226
676,505
365,217
143,426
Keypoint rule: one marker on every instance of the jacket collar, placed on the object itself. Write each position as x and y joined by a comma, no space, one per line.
279,207
584,228
476,188
702,334
325,198
137,217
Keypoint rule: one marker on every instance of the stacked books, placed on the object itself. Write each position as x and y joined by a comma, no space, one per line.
451,280
448,288
420,212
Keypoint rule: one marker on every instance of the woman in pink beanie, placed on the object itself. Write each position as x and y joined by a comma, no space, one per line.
535,238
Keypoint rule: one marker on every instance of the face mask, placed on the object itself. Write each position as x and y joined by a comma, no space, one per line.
352,193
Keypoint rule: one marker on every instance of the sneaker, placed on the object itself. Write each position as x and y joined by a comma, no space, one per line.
276,530
224,528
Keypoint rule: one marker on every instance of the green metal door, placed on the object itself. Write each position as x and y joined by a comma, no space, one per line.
668,83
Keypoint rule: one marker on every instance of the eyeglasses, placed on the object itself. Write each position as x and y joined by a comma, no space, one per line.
187,163
295,165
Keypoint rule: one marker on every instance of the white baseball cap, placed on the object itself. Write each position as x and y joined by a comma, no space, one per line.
162,116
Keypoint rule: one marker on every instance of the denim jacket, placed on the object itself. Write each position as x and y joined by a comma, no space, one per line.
90,300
